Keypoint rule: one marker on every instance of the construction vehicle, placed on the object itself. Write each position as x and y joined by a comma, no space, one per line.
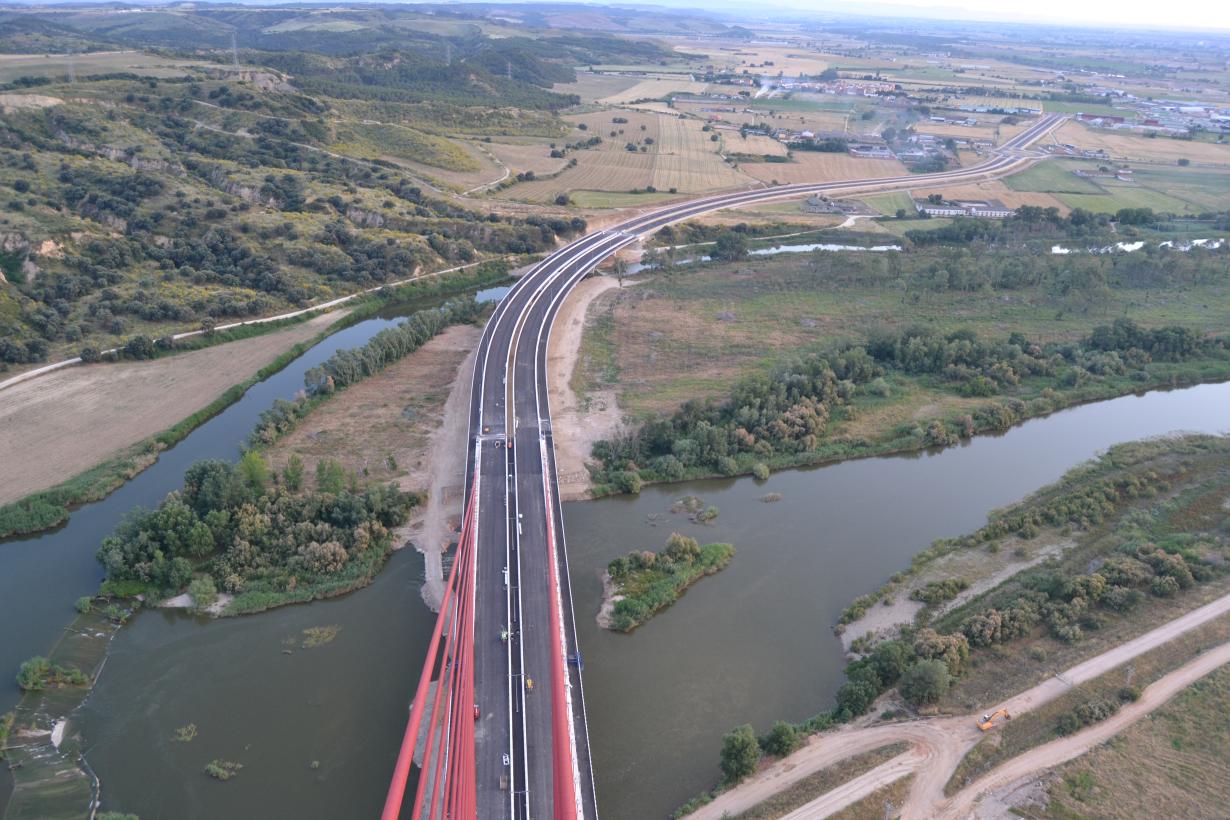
988,721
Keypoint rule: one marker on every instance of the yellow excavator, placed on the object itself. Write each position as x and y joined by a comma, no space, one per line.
988,721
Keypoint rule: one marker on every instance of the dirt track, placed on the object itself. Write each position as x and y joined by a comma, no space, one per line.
576,425
941,743
1064,749
118,405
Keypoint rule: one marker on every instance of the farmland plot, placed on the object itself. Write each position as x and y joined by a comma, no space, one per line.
817,166
687,159
1125,145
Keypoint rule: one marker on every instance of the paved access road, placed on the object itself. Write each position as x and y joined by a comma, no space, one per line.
532,747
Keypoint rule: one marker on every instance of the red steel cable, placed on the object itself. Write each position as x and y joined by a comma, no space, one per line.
564,788
405,757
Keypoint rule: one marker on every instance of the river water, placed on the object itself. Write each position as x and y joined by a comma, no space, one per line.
317,729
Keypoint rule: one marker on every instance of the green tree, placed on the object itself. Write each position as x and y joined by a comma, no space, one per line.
782,739
730,247
925,682
330,476
740,753
254,472
292,474
202,591
890,659
199,540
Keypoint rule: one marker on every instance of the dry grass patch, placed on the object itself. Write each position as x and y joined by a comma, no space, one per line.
820,783
1175,757
653,89
1125,145
883,803
380,427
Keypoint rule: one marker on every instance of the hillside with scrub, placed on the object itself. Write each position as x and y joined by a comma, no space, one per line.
159,193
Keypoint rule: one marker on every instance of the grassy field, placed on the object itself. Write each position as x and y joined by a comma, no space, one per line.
1175,759
1053,177
397,142
694,332
677,154
888,204
1172,190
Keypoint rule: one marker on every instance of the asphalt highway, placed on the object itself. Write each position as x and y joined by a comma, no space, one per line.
532,745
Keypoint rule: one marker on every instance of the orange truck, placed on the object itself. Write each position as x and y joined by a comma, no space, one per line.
988,721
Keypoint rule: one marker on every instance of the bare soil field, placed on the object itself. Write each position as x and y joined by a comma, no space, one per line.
41,420
1122,145
818,166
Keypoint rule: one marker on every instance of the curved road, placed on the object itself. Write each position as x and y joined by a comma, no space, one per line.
532,750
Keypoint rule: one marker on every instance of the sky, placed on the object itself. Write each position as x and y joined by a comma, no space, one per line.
1190,15
1114,13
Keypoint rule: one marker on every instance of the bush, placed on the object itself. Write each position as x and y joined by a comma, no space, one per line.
628,481
761,471
1164,586
84,604
925,682
202,591
782,739
740,753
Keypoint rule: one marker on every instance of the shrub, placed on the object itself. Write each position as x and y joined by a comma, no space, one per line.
84,604
202,591
781,740
761,471
1164,586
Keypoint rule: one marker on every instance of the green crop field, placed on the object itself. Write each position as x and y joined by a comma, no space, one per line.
1053,178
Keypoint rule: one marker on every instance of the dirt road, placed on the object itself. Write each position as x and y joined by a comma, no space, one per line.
943,742
965,802
41,420
577,423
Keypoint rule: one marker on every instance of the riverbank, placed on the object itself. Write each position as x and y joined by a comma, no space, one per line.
580,418
406,424
1144,549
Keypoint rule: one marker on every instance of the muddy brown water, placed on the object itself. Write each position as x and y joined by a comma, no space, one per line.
749,645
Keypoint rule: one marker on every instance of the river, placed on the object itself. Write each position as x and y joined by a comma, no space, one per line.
317,729
42,575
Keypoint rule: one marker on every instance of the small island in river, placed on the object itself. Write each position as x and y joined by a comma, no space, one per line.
641,583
